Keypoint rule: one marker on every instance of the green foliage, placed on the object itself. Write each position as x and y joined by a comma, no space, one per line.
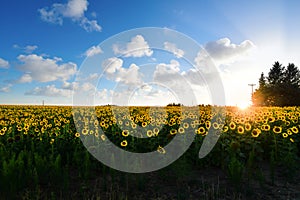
235,171
280,88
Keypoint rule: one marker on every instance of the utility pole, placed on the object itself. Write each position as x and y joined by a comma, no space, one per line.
43,102
251,85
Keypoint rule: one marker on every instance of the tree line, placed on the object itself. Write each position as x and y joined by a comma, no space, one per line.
280,88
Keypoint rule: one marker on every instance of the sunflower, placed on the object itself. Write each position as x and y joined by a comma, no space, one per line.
240,129
125,133
255,132
161,150
265,127
181,130
133,125
207,124
225,129
215,125
156,131
19,128
84,131
291,139
295,129
102,124
285,135
232,125
277,129
173,131
77,134
186,125
201,130
52,141
271,119
248,126
124,143
144,124
103,137
149,133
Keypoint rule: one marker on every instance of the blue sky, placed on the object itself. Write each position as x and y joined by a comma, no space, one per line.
44,43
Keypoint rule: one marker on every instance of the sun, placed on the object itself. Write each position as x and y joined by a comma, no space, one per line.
243,105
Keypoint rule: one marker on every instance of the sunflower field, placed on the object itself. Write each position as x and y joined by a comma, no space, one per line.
42,155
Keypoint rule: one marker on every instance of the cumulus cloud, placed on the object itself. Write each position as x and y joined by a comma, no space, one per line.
101,94
111,65
204,61
129,76
74,10
137,47
69,85
25,78
172,48
223,50
114,70
45,69
87,87
166,72
4,63
94,50
50,91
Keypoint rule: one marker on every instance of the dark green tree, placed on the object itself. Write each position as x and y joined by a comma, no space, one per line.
259,96
292,75
280,88
276,73
262,81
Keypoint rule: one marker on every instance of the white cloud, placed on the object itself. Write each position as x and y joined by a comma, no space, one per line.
172,48
166,72
204,62
26,49
153,97
93,76
102,94
223,49
25,78
46,69
114,71
5,88
89,25
50,91
74,10
130,76
30,48
111,65
221,52
69,86
94,50
87,87
4,63
137,47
